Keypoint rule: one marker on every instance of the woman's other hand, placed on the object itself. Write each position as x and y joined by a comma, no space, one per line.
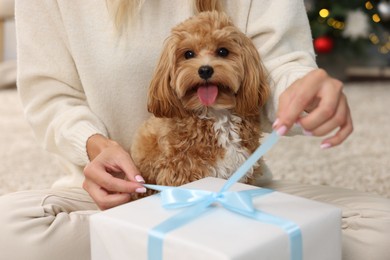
321,96
108,160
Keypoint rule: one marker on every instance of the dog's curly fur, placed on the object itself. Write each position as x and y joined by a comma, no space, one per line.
206,95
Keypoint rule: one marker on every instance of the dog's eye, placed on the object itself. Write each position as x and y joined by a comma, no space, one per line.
222,52
189,55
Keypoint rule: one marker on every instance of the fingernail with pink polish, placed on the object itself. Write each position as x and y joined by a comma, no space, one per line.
325,145
307,133
140,190
281,130
139,178
275,123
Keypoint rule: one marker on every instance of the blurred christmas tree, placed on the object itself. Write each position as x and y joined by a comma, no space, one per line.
351,30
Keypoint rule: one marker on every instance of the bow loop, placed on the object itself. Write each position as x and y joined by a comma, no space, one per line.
239,202
174,198
179,198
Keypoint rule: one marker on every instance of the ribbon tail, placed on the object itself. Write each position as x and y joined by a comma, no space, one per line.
157,234
257,192
157,187
292,229
244,168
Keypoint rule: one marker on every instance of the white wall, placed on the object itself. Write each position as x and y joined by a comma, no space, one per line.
9,40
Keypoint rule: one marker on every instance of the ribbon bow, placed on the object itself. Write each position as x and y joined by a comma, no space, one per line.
198,201
174,198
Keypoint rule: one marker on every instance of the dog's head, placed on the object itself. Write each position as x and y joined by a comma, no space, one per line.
207,63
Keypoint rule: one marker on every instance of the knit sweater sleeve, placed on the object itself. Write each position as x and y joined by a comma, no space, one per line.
281,31
49,86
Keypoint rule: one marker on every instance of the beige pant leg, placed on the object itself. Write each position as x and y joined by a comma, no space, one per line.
365,218
45,225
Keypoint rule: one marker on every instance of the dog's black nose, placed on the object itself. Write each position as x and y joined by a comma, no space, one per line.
205,72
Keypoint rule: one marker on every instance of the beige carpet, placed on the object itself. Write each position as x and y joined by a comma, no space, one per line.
361,163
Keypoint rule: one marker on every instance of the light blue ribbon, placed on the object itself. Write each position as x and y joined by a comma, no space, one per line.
198,201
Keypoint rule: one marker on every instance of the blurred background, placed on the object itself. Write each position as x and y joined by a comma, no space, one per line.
7,44
352,37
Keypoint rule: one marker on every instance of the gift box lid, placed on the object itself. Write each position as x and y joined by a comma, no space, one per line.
122,232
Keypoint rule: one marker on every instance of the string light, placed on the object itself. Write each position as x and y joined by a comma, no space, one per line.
383,50
373,38
383,47
335,24
369,5
376,18
324,13
338,25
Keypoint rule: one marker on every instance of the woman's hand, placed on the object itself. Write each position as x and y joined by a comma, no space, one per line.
109,160
322,98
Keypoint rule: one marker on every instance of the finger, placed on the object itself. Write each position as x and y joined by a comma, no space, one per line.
128,167
124,163
104,199
294,101
342,134
291,105
113,200
323,128
330,98
109,182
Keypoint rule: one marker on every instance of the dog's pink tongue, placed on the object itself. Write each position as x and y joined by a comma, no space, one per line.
207,94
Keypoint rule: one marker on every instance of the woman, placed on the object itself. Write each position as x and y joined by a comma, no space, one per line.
84,69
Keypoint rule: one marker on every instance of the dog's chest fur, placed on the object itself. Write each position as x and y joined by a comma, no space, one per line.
227,130
177,151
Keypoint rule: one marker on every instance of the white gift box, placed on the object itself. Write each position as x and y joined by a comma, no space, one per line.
122,232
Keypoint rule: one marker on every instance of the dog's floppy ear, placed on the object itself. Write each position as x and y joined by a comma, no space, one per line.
162,99
254,90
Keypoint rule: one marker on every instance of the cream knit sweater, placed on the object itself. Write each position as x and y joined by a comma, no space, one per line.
77,77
